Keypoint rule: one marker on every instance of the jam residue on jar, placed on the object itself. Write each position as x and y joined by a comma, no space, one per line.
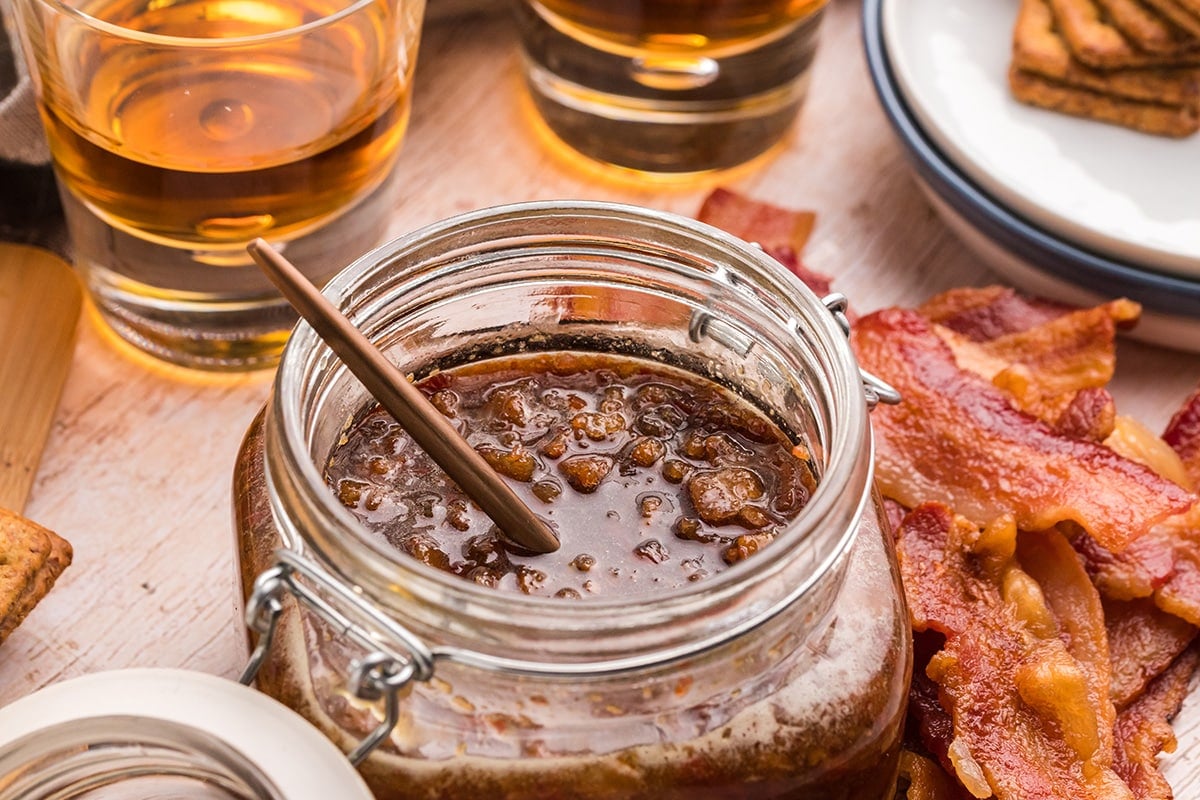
653,477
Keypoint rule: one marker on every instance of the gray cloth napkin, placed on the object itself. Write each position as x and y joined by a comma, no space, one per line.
30,211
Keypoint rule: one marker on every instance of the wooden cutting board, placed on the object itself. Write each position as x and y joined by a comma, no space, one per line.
40,298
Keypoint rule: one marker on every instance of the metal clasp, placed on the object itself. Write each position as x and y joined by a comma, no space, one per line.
876,390
382,673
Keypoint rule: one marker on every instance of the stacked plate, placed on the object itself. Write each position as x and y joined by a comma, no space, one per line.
1066,208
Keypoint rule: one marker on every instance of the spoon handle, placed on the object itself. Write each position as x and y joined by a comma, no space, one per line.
428,428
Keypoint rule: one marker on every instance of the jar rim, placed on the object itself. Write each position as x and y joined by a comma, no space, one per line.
841,494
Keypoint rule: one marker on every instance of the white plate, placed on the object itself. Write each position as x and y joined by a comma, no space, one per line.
1129,195
295,758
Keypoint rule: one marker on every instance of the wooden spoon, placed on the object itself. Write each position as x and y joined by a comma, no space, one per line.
412,410
40,298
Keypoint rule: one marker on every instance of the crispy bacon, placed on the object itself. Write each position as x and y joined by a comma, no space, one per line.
956,439
1068,347
923,779
1135,441
1180,595
986,313
1143,730
1137,571
1025,685
1183,435
1043,367
1091,414
1143,640
1164,563
1031,720
1053,361
781,232
929,728
1078,614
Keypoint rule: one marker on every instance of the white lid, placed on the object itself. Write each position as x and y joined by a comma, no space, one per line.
300,762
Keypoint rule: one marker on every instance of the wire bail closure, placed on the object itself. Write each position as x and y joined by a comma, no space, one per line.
704,325
876,389
383,673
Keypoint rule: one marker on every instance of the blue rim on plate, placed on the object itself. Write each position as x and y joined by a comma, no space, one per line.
1166,294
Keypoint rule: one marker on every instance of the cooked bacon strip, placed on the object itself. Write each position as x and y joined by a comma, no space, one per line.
956,439
1091,415
1078,614
1042,368
1135,441
1030,720
938,573
986,313
773,227
929,727
989,678
1165,563
1068,347
781,232
1053,361
1143,730
926,780
1183,435
1137,571
1143,640
1180,595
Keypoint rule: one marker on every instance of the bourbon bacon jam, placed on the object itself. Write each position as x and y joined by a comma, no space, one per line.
723,619
652,477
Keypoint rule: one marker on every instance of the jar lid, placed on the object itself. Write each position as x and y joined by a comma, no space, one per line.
295,760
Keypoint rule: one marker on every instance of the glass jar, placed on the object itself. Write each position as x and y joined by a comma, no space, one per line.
162,733
783,676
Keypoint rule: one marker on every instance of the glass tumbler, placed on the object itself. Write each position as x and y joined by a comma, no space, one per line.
181,131
784,676
669,87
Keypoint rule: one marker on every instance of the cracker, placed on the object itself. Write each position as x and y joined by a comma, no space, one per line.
1184,13
1147,29
1039,48
31,559
1163,120
1099,44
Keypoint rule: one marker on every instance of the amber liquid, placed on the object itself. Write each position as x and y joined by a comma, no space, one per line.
215,145
669,87
706,27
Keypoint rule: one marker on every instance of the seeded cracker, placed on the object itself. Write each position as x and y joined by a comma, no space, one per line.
31,559
1184,13
1173,121
1147,29
1049,70
1099,44
1039,48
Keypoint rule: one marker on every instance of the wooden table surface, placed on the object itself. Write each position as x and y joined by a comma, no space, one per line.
138,467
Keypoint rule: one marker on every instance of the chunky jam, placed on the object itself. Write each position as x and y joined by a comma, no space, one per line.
652,477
